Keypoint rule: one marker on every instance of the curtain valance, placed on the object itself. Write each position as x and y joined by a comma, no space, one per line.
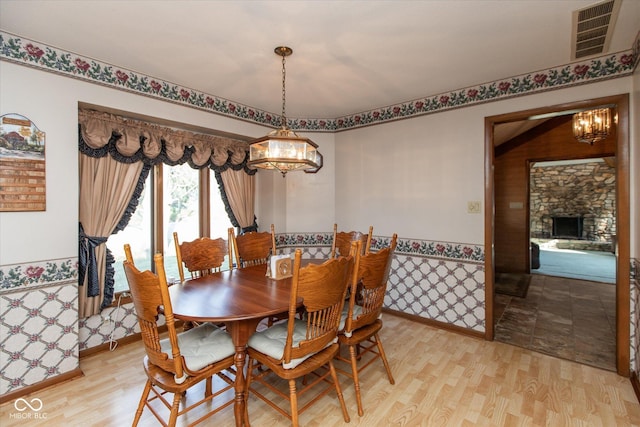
97,129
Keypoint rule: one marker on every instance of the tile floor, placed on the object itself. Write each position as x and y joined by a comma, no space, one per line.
567,318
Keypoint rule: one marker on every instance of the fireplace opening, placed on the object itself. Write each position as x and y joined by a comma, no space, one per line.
567,227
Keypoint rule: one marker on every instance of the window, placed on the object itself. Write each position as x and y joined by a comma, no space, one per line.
172,195
138,235
181,211
218,210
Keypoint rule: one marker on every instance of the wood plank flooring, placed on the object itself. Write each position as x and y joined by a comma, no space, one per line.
442,379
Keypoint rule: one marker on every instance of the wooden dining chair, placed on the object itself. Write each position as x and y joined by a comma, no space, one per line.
361,320
180,361
253,248
342,241
201,256
296,348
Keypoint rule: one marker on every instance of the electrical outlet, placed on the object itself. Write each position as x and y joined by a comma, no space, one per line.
473,207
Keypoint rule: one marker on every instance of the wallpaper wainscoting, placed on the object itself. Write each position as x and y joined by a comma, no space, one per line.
109,326
446,291
38,322
40,335
635,315
436,280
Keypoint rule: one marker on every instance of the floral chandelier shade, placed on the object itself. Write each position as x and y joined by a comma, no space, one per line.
282,149
592,126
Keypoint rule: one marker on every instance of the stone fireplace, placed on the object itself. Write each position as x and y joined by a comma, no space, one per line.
573,201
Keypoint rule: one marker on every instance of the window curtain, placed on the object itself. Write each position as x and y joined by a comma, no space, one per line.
152,143
239,189
116,154
106,187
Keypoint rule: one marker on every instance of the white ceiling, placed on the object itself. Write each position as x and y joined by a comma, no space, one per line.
349,56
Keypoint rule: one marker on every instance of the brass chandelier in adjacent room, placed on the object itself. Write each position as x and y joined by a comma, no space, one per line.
592,125
282,149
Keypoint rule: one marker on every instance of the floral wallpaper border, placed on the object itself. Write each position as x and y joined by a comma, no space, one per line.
37,274
427,248
44,273
38,55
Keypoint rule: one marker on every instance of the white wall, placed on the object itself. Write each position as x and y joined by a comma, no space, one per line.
33,236
51,102
415,176
310,198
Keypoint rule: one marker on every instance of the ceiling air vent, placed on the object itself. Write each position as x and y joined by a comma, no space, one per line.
593,28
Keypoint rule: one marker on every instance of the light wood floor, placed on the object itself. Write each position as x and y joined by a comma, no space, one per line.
442,379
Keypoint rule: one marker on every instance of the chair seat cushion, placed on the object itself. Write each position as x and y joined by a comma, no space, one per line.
271,341
357,311
202,346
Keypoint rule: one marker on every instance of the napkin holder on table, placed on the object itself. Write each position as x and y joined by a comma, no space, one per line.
280,266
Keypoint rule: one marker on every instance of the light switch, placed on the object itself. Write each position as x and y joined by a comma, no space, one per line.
473,207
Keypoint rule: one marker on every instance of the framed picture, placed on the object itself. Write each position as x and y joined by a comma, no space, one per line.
22,165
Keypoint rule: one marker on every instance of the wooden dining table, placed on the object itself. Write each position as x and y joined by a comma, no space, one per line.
240,299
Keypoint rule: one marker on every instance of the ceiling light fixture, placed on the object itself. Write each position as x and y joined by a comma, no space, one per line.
592,125
283,149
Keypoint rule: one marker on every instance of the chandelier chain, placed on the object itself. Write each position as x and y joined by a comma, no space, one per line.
284,75
282,149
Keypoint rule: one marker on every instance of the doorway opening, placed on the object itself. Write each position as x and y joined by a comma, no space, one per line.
507,233
569,308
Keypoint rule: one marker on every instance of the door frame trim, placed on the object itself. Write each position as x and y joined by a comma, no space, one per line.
623,226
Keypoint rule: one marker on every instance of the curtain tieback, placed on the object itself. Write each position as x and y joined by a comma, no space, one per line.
88,263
